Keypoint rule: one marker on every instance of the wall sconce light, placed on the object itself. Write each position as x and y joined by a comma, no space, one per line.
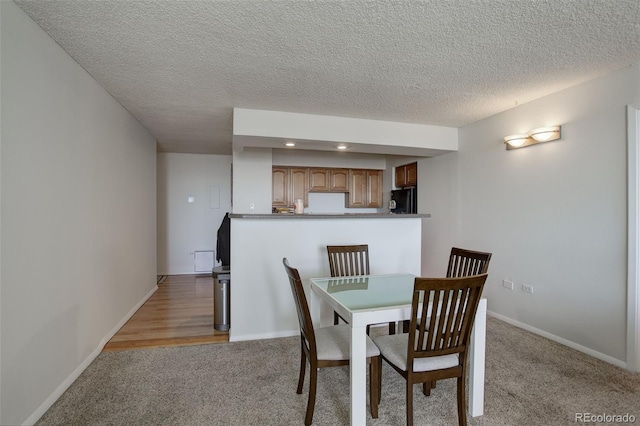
542,134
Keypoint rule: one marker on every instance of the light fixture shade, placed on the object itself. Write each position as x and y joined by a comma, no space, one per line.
535,136
546,134
516,140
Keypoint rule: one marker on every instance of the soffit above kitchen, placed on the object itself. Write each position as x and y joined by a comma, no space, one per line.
181,67
274,129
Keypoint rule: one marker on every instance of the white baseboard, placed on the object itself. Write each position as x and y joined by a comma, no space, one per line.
126,318
261,336
39,412
565,342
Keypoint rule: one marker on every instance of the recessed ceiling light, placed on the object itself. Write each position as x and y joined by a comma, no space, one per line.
290,144
341,147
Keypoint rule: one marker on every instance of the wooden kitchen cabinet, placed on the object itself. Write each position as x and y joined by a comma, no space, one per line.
365,188
299,185
339,180
357,188
319,180
412,174
374,188
289,184
406,175
280,186
328,180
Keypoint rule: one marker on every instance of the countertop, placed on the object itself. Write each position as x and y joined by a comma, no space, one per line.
328,216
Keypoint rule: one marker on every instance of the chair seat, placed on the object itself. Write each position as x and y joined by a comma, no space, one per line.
334,343
394,349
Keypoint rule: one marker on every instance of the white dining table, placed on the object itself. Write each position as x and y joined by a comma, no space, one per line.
374,299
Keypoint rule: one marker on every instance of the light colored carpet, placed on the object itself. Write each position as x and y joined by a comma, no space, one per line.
530,380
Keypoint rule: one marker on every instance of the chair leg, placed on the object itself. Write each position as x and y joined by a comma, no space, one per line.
313,382
374,399
405,326
303,366
409,402
426,388
462,406
392,328
379,379
336,318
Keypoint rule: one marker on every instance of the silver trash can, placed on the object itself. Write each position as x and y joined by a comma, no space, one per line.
221,296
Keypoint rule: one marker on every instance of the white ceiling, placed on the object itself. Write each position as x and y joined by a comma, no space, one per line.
180,67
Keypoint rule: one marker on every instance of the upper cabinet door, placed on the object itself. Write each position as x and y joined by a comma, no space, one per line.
401,176
339,180
357,188
406,175
299,185
374,188
411,174
280,186
319,180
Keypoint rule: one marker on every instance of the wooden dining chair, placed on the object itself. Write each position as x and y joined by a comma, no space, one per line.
438,348
350,260
463,263
327,347
345,261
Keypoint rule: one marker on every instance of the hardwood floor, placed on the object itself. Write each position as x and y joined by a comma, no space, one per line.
180,313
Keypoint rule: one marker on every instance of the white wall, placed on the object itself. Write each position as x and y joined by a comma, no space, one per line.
260,128
261,302
306,158
252,180
553,215
0,220
78,217
185,227
437,195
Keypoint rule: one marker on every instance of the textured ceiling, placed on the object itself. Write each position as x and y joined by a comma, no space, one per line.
181,66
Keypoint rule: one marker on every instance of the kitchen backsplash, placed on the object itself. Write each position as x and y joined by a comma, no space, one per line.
321,202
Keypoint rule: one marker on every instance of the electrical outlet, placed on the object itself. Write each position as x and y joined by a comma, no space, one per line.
507,284
252,206
527,288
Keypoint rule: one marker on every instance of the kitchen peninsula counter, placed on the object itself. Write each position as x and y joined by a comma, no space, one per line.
259,285
277,216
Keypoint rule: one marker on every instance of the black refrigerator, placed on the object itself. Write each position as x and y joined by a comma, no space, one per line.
404,200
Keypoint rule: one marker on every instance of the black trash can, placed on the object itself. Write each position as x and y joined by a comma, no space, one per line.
221,296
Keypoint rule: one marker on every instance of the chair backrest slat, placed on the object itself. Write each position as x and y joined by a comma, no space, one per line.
348,260
454,303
